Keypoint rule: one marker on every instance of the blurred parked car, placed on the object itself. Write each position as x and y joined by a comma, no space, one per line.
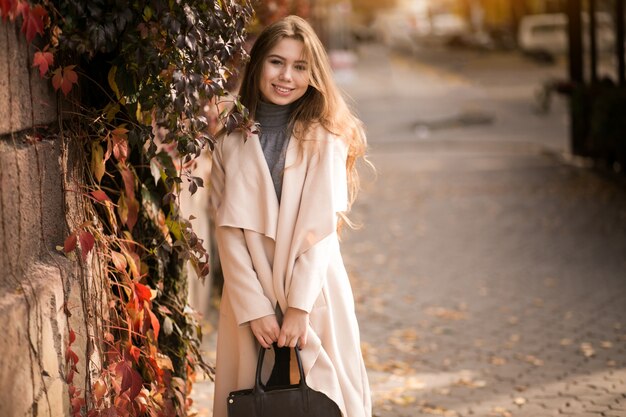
547,33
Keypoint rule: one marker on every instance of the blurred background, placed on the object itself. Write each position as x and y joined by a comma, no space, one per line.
490,268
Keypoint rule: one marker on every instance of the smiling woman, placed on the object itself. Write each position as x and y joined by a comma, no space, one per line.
278,197
285,76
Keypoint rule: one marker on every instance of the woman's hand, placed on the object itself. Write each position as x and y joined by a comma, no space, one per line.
266,330
294,328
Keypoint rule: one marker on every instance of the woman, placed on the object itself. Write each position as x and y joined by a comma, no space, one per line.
279,196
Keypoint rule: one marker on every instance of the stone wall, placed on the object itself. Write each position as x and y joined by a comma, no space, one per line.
38,284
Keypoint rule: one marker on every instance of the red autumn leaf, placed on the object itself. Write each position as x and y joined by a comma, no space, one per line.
71,357
33,21
135,353
43,60
154,321
100,195
129,182
70,243
77,404
72,337
143,292
8,9
120,143
131,380
69,378
64,78
86,243
133,214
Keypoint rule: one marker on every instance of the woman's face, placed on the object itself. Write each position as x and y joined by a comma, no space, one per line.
285,73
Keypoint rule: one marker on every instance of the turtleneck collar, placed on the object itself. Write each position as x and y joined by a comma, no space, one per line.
273,116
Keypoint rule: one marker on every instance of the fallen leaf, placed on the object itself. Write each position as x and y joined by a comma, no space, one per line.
519,401
500,412
498,361
587,349
446,314
403,400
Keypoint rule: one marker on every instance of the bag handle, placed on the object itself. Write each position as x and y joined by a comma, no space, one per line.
258,385
259,388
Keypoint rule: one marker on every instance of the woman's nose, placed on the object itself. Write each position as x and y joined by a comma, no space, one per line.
285,74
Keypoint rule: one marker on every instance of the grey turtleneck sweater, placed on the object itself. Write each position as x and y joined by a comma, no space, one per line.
274,137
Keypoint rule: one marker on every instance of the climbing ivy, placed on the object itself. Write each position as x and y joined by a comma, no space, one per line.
144,83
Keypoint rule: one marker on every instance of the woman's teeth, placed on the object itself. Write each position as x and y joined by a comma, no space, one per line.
282,90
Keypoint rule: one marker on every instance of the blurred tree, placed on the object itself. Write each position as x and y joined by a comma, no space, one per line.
369,8
269,11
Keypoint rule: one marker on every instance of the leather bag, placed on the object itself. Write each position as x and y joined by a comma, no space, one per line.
296,400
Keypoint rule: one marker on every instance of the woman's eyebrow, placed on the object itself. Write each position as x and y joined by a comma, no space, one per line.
300,61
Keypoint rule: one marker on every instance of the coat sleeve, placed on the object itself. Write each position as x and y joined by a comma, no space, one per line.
240,279
311,267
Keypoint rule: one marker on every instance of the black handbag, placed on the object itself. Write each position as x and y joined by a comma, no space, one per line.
297,400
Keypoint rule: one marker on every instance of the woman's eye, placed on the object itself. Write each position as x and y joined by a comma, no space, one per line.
276,61
301,67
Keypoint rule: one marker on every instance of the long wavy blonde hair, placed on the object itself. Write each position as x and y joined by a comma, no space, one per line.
322,103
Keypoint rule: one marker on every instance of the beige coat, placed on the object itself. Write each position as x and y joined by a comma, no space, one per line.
286,254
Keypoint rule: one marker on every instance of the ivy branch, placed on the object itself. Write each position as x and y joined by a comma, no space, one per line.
138,78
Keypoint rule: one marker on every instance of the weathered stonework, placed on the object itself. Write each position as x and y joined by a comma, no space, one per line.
38,284
25,100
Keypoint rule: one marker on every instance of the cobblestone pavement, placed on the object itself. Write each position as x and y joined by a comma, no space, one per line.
489,275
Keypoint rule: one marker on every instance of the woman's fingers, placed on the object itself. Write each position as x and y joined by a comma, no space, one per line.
266,330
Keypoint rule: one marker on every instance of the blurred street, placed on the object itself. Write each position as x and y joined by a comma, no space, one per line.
490,276
490,272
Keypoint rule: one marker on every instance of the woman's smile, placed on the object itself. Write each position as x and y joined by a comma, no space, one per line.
282,90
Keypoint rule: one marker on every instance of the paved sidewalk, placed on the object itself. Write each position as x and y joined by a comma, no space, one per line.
491,282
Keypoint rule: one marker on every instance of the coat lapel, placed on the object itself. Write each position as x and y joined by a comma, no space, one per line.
250,200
